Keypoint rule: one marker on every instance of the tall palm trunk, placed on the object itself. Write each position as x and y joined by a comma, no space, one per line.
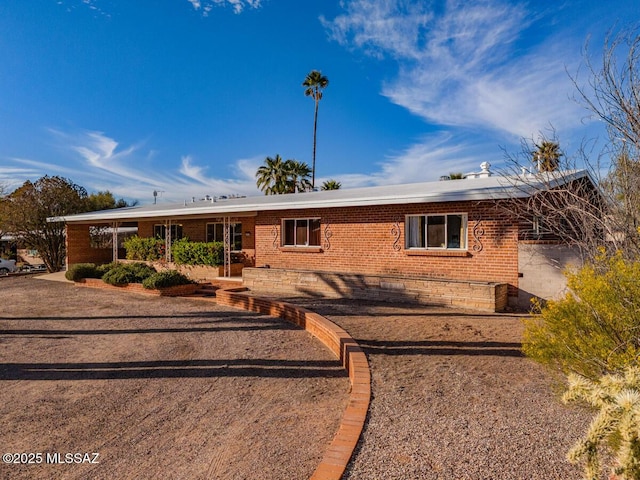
315,128
314,82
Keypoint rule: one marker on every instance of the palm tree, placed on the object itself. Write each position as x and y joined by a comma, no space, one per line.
278,176
315,83
547,156
297,174
331,185
272,176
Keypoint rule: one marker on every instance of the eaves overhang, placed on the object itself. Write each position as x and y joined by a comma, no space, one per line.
481,189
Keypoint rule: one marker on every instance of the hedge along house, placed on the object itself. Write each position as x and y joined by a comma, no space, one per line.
445,242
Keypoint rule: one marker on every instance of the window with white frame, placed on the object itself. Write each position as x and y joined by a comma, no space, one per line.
160,231
436,231
215,233
301,232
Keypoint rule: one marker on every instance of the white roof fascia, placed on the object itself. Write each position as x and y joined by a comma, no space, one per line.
476,189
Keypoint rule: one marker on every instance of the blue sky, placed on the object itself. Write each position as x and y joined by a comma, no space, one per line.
187,97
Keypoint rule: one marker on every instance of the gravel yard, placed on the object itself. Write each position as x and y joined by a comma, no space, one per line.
160,388
177,388
453,398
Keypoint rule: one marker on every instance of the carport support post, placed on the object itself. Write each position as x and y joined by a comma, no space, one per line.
227,245
114,240
167,240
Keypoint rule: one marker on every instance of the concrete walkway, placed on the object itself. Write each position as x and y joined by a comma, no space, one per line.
56,277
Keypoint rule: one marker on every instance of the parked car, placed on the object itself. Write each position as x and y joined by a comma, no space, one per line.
34,268
7,266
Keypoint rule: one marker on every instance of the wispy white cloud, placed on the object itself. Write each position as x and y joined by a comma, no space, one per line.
196,4
11,177
237,5
385,27
97,150
425,160
99,162
90,4
192,171
463,64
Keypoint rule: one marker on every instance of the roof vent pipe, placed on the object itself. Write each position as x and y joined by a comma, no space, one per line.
484,170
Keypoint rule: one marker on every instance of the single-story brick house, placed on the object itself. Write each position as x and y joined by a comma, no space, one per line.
444,242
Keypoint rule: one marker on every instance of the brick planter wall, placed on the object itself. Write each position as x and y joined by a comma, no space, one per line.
198,273
177,291
484,296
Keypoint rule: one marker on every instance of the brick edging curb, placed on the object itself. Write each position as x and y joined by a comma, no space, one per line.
353,359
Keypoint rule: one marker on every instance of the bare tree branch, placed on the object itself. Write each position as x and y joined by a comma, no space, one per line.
602,209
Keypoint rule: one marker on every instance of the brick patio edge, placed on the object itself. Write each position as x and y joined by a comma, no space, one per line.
345,348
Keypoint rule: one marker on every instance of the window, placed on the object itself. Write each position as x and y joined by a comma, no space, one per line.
539,226
100,237
436,231
160,231
215,233
301,232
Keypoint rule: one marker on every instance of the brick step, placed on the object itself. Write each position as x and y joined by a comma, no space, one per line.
224,284
206,290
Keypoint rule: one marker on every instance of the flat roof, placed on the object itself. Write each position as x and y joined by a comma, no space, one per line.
486,188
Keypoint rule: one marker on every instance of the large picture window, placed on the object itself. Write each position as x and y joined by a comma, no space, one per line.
215,233
301,232
436,231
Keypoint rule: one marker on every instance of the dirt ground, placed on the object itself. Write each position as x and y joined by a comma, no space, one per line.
160,388
179,389
453,397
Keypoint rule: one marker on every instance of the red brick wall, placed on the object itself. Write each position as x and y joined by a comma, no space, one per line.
362,241
79,250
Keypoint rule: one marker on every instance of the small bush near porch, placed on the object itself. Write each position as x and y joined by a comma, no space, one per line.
145,249
185,252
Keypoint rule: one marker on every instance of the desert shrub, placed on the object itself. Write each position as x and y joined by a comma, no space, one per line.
146,249
102,269
595,329
125,273
79,271
614,429
164,279
185,252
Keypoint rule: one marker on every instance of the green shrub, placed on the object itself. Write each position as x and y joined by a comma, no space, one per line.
102,269
595,329
164,279
185,252
79,271
125,273
146,249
